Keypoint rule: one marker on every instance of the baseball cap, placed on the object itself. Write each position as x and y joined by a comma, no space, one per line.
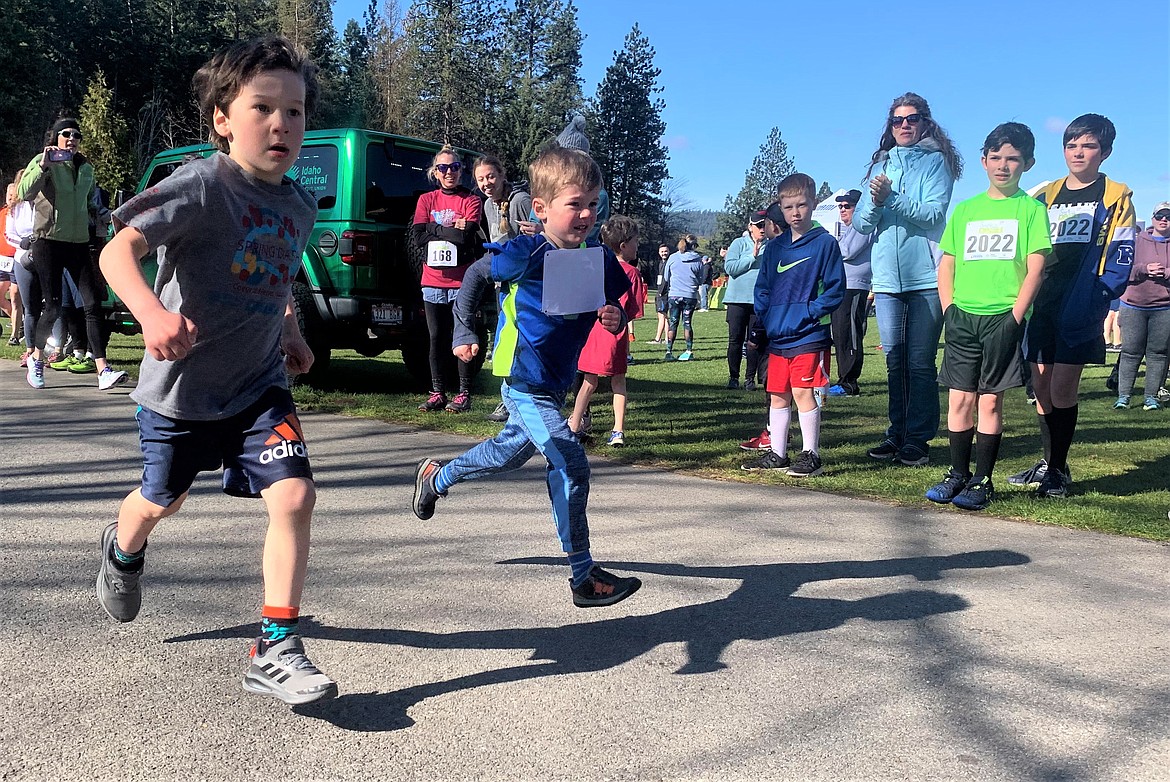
757,217
852,197
775,214
1162,207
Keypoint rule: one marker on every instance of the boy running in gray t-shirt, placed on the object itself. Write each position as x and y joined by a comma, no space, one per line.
229,231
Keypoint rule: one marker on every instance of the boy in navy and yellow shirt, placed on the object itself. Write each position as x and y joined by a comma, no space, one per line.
536,354
801,282
993,257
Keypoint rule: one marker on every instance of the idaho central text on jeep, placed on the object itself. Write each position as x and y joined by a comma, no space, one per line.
358,287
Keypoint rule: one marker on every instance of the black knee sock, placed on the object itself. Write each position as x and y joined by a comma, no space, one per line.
1045,437
986,453
961,450
1063,423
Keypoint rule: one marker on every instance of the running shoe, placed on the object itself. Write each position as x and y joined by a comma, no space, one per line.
1057,484
54,357
118,591
586,423
1031,476
884,451
24,357
770,460
616,439
83,366
436,401
977,496
425,495
15,340
749,385
460,404
669,356
686,355
948,488
284,672
838,390
1121,403
499,415
806,465
761,442
64,364
733,384
36,373
110,377
1163,395
912,456
602,588
1151,403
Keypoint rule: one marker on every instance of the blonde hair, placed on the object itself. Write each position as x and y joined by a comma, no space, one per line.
797,185
688,242
446,149
558,168
10,199
618,230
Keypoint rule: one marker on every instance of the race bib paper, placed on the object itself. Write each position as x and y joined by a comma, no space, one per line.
6,263
574,281
1071,223
442,254
991,240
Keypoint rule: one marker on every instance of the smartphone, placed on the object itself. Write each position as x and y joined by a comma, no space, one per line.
60,155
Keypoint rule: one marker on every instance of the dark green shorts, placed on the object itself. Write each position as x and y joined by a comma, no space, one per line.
982,352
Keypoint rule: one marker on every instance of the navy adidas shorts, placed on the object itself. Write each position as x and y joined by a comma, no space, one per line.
256,448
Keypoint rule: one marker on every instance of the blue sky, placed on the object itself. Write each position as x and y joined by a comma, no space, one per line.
826,74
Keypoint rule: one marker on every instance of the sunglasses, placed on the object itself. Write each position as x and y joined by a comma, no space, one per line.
844,206
443,168
1162,215
913,119
70,134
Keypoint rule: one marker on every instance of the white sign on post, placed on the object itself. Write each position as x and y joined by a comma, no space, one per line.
574,281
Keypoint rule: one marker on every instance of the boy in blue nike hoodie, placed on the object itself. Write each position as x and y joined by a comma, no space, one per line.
801,282
536,354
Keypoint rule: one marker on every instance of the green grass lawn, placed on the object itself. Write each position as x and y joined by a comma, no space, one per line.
682,417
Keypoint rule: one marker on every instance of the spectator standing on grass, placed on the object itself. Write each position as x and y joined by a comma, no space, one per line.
447,234
742,264
683,275
1145,312
661,298
852,317
60,183
705,285
905,206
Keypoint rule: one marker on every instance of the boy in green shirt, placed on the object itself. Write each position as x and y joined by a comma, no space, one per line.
993,260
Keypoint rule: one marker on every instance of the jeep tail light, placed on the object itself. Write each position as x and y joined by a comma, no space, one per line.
356,248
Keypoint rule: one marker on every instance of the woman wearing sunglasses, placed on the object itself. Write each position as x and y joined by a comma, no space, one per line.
446,231
59,181
905,206
1145,312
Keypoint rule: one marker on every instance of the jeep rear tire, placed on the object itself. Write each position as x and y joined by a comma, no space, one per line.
312,328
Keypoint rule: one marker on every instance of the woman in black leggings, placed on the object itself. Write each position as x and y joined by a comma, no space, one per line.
742,264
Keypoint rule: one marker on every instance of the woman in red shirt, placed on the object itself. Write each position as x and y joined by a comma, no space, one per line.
446,231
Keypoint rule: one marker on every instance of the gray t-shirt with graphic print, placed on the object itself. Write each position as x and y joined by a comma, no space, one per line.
229,246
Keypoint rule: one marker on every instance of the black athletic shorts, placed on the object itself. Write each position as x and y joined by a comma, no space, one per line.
1044,343
982,352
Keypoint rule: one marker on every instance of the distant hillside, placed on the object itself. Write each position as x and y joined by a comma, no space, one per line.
700,222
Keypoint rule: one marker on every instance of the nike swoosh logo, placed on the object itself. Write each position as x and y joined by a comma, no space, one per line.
783,267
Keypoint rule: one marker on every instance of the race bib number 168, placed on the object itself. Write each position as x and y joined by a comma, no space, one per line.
991,240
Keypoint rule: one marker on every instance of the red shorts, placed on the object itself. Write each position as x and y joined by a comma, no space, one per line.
804,371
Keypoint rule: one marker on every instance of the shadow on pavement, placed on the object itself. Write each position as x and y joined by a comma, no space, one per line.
763,607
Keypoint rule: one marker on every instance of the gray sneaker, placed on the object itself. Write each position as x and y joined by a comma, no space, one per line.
117,590
285,672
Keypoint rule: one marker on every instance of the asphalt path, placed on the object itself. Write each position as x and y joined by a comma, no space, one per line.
780,633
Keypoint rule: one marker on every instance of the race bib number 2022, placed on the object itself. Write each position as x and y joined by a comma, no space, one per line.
991,240
1071,223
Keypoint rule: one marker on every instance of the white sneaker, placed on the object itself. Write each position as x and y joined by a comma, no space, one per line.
36,373
111,377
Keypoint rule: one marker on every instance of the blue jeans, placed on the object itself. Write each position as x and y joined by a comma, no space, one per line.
910,324
535,424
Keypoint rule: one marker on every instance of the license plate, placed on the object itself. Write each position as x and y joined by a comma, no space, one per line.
387,314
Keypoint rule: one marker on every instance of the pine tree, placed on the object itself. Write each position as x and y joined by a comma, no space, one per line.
354,85
627,130
759,187
824,192
309,25
106,136
387,66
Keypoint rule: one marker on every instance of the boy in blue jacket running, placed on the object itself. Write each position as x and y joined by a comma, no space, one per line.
801,282
536,354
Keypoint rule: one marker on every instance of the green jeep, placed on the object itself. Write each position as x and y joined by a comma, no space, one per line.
358,286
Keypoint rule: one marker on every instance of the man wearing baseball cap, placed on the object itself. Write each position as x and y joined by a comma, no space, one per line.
850,319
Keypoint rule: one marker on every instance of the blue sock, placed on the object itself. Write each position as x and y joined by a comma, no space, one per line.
443,483
581,563
127,562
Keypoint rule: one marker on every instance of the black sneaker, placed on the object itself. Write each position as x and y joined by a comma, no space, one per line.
749,385
1031,476
807,465
769,461
424,488
436,401
461,403
948,488
602,588
499,415
977,496
912,456
883,451
733,384
1057,485
118,591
